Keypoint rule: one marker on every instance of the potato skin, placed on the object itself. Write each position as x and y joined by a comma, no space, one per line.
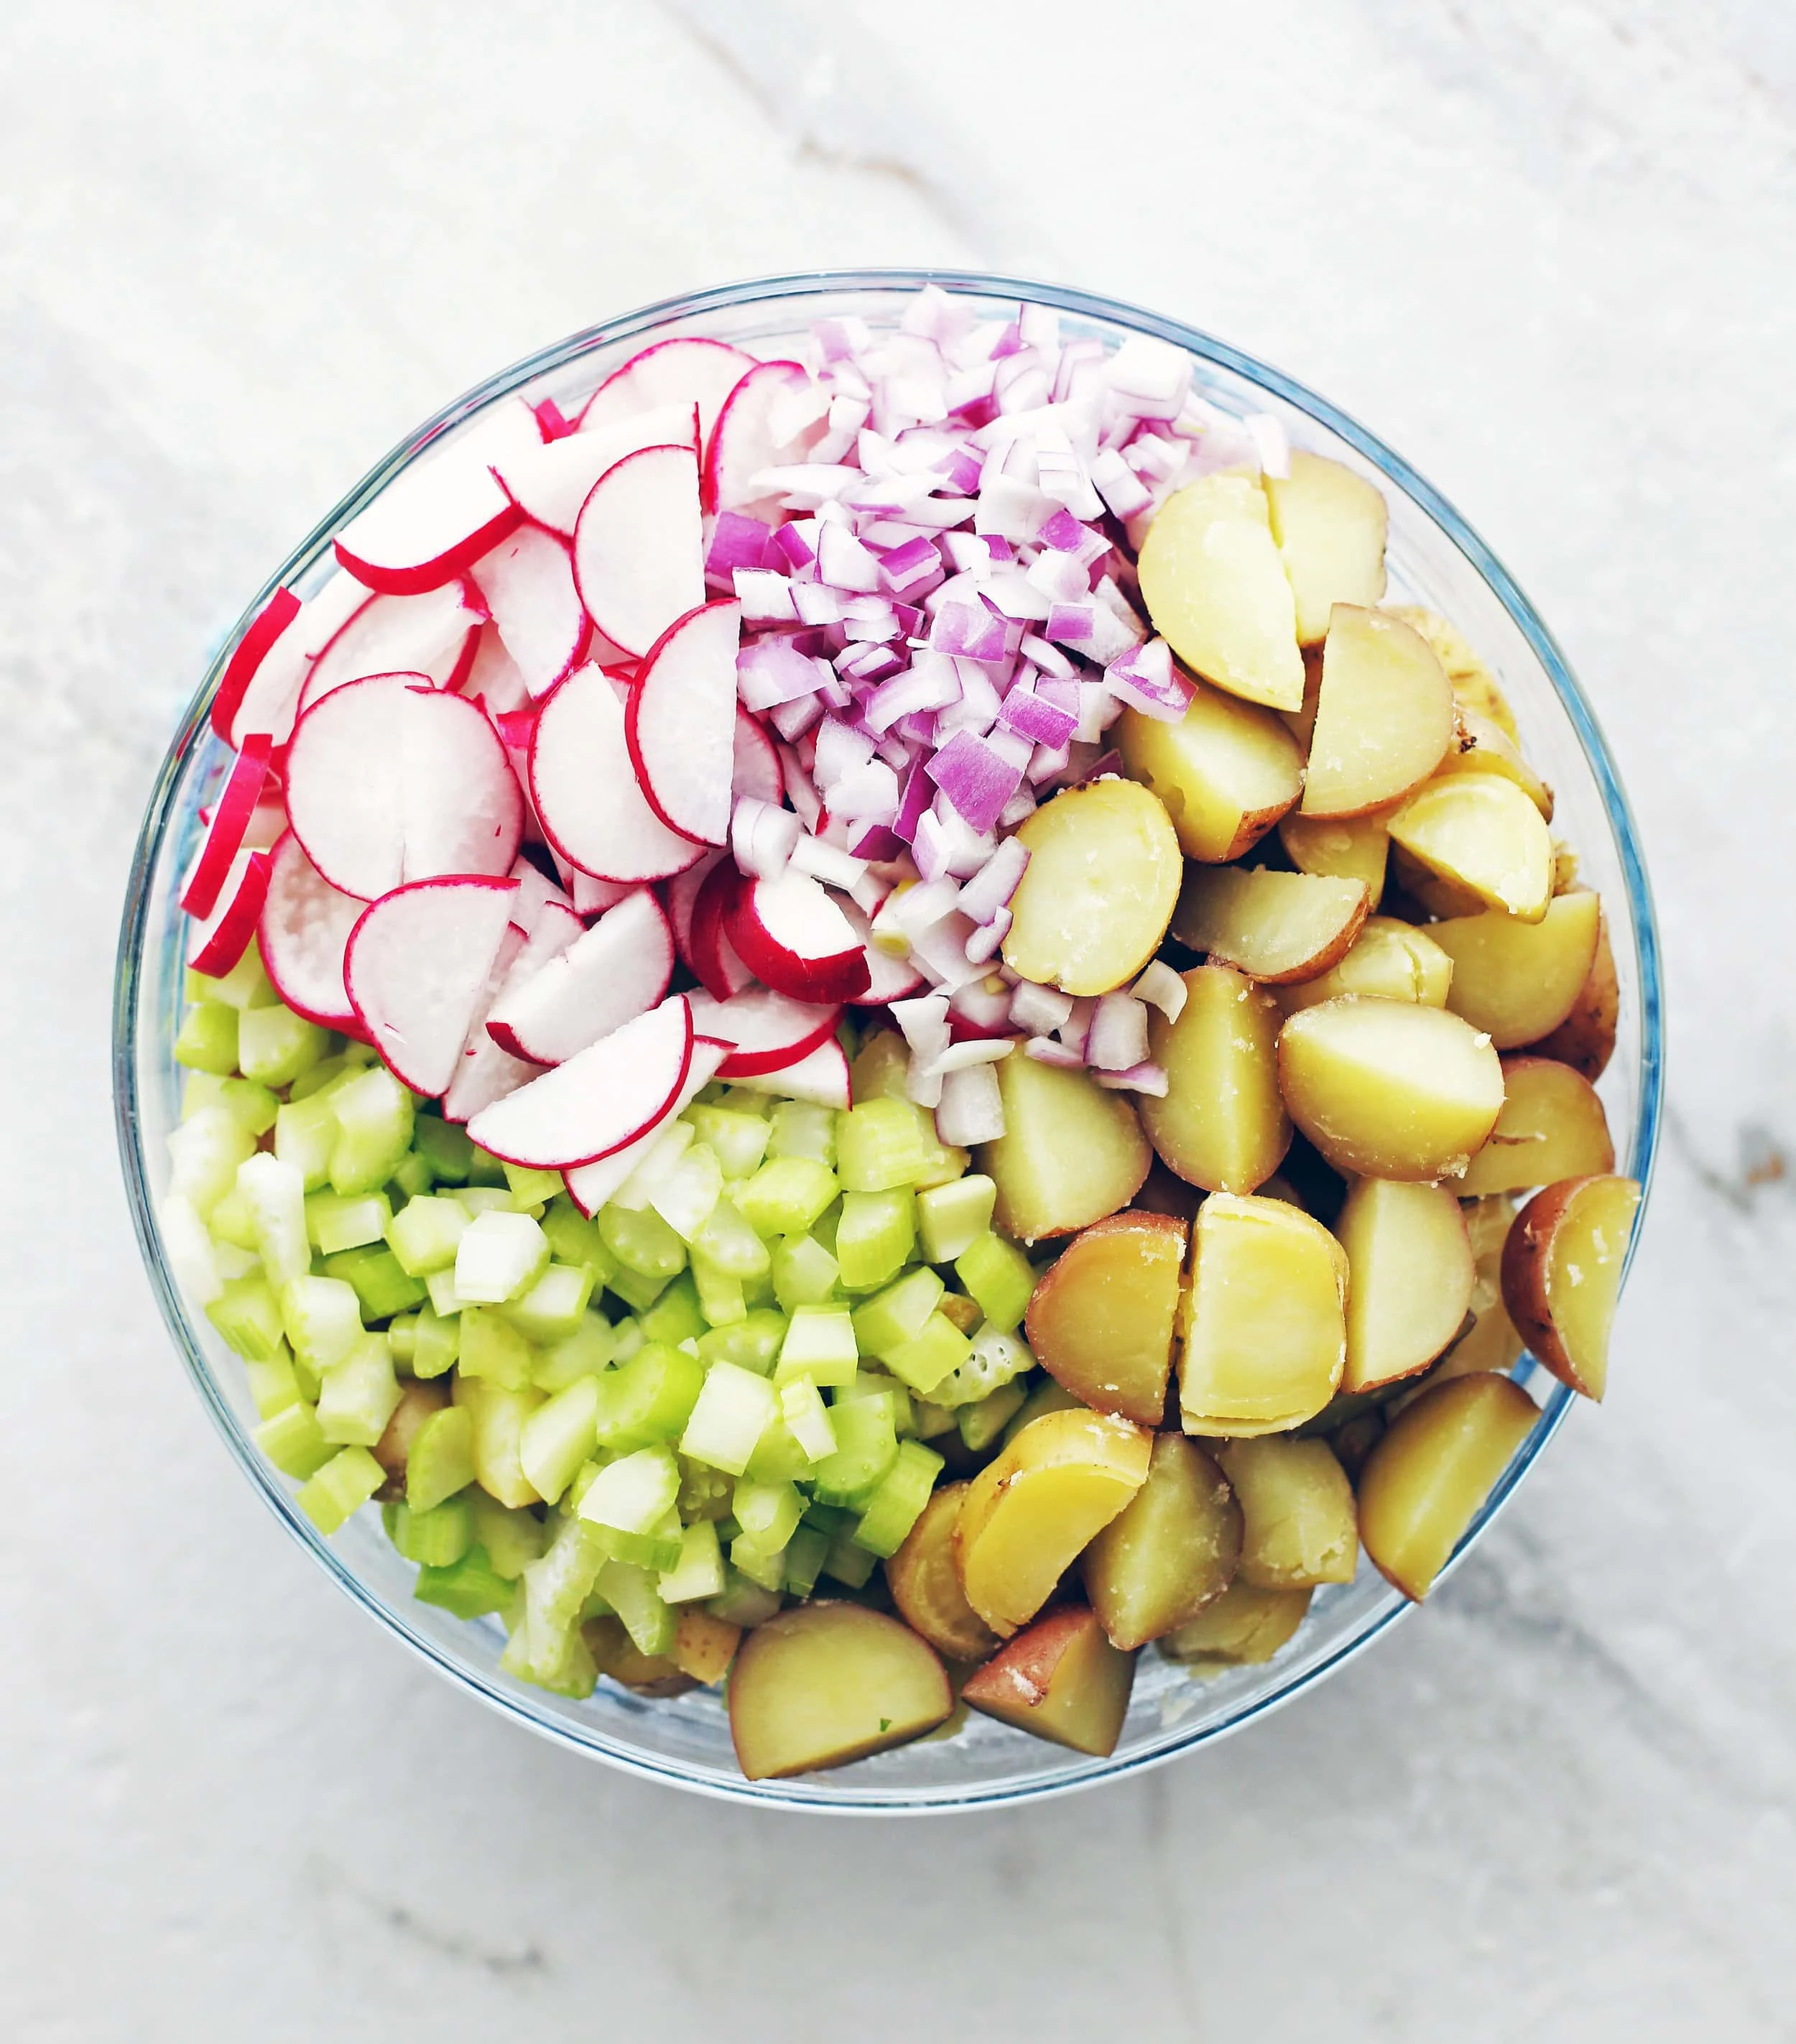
1101,1321
1527,1251
925,1585
417,1402
1586,1039
1243,1627
1061,1680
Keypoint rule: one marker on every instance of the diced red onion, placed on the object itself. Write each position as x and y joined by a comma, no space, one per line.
972,1109
1047,762
1027,711
792,541
1118,1033
971,1051
880,844
908,566
982,947
866,793
765,596
1075,1031
1270,440
1096,769
975,778
914,798
799,786
843,562
1144,1078
939,949
1161,987
1021,806
736,542
981,1008
1147,680
768,672
1039,1010
990,888
840,747
1045,1051
968,631
1076,622
792,720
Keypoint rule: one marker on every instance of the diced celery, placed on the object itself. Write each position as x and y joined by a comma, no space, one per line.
760,1565
357,1395
998,1274
742,1602
555,1586
875,1386
436,1340
787,1195
468,1588
512,1539
207,1041
439,1462
500,1257
802,1128
532,1188
574,1239
804,1273
587,1352
305,1133
426,1232
879,1146
402,1339
657,1550
253,1105
895,1507
752,1343
381,1287
899,1314
437,1537
322,1319
729,1245
721,1297
848,1560
675,1316
945,1164
778,1457
649,1399
768,1513
246,1314
492,1349
733,1407
804,1557
633,1594
929,1356
738,1140
874,1237
807,1418
445,1146
951,1218
313,1085
445,1301
993,1359
499,1415
334,1223
341,1489
627,1337
635,1290
819,1344
558,1436
192,1255
554,1305
565,1668
205,1154
962,1310
982,1422
273,1383
291,1441
882,1067
928,1418
475,1201
699,1572
412,1179
686,1196
374,1120
199,1090
661,1158
642,1241
866,1447
245,985
484,1169
274,1045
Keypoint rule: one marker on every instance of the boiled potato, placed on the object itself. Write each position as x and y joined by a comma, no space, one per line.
1428,1478
1384,719
1221,1123
1263,1329
1047,1396
1562,1274
1390,1090
1339,848
616,1654
418,1402
1101,1318
825,1683
1244,1627
1102,879
1299,1526
1330,526
925,1585
1482,747
1394,960
1301,722
1070,1153
1163,1193
1518,981
1473,686
1482,833
1552,1127
1028,1515
1586,1039
1409,1278
1062,1680
705,1646
1173,1547
1411,881
1218,593
1272,926
1490,1342
1226,771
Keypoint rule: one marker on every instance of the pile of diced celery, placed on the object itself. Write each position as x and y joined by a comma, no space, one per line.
716,1392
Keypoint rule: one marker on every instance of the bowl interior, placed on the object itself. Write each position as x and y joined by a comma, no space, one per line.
1433,559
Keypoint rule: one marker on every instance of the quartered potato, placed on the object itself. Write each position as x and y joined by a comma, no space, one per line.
1562,1274
1481,833
926,1584
1517,981
1384,718
1340,848
1482,747
1272,926
1586,1039
1392,960
1070,1153
1221,1123
1062,1680
1552,1126
1226,771
1299,1526
1489,1342
1244,1627
1474,686
1102,1318
1409,1278
1330,526
1172,1548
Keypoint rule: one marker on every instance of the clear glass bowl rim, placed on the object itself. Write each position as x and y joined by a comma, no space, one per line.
134,931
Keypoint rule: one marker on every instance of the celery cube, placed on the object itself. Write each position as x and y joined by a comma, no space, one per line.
475,1201
586,1352
574,1239
951,1218
329,1072
675,1316
752,1343
881,1145
305,1133
554,1305
768,1513
253,1105
699,1572
245,985
994,1359
778,1456
245,1313
807,1418
657,1550
532,1188
437,1537
721,1299
446,1148
804,1273
402,1339
928,1418
439,1462
741,1602
866,1447
733,1407
208,1038
426,1232
436,1340
334,1223
787,1195
468,1588
636,1290
997,1274
729,1245
874,1387
922,1362
819,1343
500,1257
341,1489
555,1587
374,1120
275,1193
758,1563
684,1198
982,1422
273,1383
649,1399
205,1154
492,1348
633,1593
848,1560
322,1319
739,1141
292,1442
359,1394
802,1128
634,1494
511,1538
558,1436
382,1288
627,1337
499,1414
895,1507
411,1178
804,1557
899,1314
274,1045
484,1169
874,1237
444,1298
642,1241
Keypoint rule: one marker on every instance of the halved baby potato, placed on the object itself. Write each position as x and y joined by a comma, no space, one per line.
1516,980
1173,1547
926,1584
1482,833
1226,771
1384,719
1393,960
1474,686
1552,1127
1388,1088
1070,1153
1411,1276
1272,926
1299,1526
1490,1342
1062,1680
1339,848
1221,1123
1101,1319
1330,526
1481,745
1562,1274
1586,1039
1244,1627
1263,1334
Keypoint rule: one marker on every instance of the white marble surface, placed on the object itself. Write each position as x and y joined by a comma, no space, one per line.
1543,247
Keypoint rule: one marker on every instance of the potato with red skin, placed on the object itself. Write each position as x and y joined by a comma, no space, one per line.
1226,771
1411,1276
1171,1548
926,1584
1299,1526
1552,1126
1586,1039
1100,1321
1221,1123
1384,716
417,1402
616,1654
1562,1274
1242,1628
1331,525
1272,926
1480,833
1071,1152
1517,980
1062,1680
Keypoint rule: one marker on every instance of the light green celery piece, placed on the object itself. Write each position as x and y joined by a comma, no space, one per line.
819,1344
568,1669
402,1339
500,1257
555,1587
676,1315
341,1489
802,1128
738,1141
982,1422
426,1232
730,1246
658,1162
895,1507
412,1179
253,1104
439,1462
874,1237
807,1418
745,1098
999,1276
272,1383
733,1408
642,1241
626,1337
469,1589
204,1156
291,1441
768,1513
684,1198
439,1288
374,1117
742,1602
554,1307
232,1262
530,1188
721,1297
381,1286
787,1196
559,1435
245,985
484,1169
475,1201
848,1560
357,1395
492,1348
274,1045
207,1041
899,1314
322,1319
574,1239
873,1387
192,1255
656,1549
589,1351
437,1538
305,1133
804,1557
752,1343
866,1447
996,1357
436,1340
649,1399
634,1595
313,1085
636,1291
247,1315
447,1148
760,1565
804,1273
880,1145
511,1538
334,1223
951,1218
275,1193
929,1356
699,1572
779,1457
231,1221
928,1418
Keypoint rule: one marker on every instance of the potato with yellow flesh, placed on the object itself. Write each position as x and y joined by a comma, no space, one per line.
1473,686
1586,1039
1392,960
1388,1088
1048,1396
1384,718
1221,1123
1482,833
1482,747
1552,1127
1070,1153
1490,1343
1062,1681
1339,848
704,1646
925,1585
1272,926
1331,525
1243,1627
1103,877
1299,1526
1216,591
1028,1515
1429,1477
1562,1274
826,1683
1411,880
1263,1329
1173,1547
1226,771
614,1654
1100,1322
1409,1278
418,1402
1518,981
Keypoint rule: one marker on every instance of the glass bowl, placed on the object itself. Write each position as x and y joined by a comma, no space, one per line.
1434,559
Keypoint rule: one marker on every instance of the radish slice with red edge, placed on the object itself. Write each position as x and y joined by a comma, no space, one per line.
388,782
681,722
428,525
793,937
889,979
415,967
611,974
767,1030
686,371
745,441
600,1100
494,679
591,897
303,932
552,483
677,897
590,1185
638,547
435,635
591,810
714,959
822,1077
261,693
534,895
220,938
266,629
527,582
229,826
757,765
487,1074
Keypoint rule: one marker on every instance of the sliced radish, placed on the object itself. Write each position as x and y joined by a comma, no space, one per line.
304,933
388,782
792,936
591,1185
265,631
229,826
527,583
714,959
417,966
486,1073
756,767
433,635
220,938
535,895
768,1032
746,440
677,897
889,979
598,1101
638,547
690,370
494,679
592,898
261,694
608,976
591,810
552,483
428,525
681,722
822,1077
